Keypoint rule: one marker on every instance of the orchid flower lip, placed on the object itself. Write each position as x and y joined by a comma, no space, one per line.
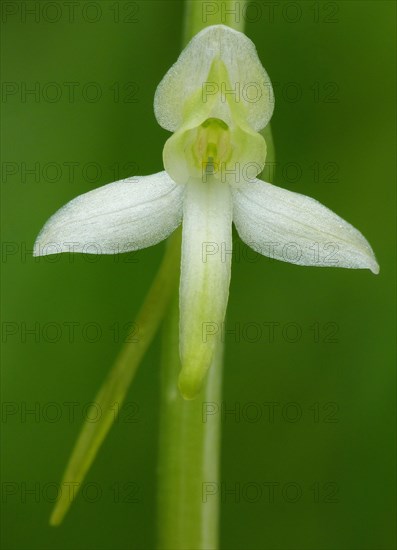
211,163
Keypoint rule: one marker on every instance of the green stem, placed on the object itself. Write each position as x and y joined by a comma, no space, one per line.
189,452
189,442
201,13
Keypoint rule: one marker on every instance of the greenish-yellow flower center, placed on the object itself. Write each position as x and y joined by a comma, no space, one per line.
212,146
215,138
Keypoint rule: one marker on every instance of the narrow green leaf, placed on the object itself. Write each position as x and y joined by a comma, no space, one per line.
112,393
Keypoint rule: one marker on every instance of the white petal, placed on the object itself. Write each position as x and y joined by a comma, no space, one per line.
205,277
297,229
119,217
245,83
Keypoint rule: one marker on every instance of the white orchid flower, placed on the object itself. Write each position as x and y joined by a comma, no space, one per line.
215,99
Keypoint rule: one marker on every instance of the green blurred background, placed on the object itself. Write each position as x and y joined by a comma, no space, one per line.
331,440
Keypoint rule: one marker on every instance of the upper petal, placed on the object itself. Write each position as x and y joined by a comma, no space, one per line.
119,217
219,63
297,229
205,278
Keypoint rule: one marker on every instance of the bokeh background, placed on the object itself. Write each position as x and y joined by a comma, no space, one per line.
328,373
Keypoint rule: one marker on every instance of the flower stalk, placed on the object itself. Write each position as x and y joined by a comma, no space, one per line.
190,430
200,14
188,457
